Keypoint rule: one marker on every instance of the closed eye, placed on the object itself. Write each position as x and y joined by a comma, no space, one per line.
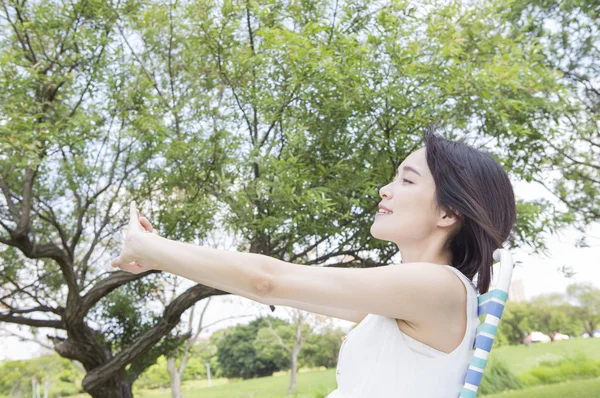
404,179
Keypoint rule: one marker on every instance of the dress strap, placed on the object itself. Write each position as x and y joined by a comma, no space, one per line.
464,278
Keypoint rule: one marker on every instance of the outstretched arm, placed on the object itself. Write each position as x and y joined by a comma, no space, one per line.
416,292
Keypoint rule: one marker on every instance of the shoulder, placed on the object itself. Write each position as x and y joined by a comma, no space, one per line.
442,293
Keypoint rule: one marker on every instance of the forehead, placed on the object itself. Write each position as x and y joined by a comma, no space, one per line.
416,159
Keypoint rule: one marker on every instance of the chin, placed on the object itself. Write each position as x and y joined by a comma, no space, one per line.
377,233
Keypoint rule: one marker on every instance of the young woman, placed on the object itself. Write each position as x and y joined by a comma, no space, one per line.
448,208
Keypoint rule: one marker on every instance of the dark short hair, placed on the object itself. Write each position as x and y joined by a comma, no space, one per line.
471,184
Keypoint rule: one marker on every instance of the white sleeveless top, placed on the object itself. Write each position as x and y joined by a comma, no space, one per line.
378,360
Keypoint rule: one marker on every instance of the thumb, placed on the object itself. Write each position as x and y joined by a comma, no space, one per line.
116,262
146,224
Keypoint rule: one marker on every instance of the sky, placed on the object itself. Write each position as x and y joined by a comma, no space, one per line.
539,274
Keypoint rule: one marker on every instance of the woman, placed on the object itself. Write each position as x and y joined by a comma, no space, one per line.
448,208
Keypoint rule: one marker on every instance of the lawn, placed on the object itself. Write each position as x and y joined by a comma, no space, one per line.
572,389
522,357
317,384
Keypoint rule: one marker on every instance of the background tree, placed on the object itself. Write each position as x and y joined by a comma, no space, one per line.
322,349
587,299
518,320
239,357
57,376
292,337
568,38
177,360
77,135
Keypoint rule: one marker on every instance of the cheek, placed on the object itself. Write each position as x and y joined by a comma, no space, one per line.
413,209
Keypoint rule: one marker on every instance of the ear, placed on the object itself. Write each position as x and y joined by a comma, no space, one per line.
448,218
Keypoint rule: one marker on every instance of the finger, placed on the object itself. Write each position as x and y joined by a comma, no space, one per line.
116,262
132,267
134,221
133,209
146,224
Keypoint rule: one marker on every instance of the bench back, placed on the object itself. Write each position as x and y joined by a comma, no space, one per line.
490,304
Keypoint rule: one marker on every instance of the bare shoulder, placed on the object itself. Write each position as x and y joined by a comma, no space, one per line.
445,331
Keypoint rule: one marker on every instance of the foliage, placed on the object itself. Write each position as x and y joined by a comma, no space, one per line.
577,366
498,377
567,37
550,313
157,375
322,349
587,299
16,376
239,356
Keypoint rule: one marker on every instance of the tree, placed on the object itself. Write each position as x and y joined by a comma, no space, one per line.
553,313
239,356
566,34
322,349
176,370
292,337
275,120
54,375
177,361
518,320
76,138
587,300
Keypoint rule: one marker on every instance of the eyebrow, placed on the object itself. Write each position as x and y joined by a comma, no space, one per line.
409,168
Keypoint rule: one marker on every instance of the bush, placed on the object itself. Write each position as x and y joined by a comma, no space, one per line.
498,377
577,366
64,377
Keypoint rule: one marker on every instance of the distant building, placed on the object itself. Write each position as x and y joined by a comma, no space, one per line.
516,291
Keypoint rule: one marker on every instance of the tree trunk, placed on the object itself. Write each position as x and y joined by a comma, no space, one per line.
175,378
295,353
113,388
292,387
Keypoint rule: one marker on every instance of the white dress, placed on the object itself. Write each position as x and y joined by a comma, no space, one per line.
378,360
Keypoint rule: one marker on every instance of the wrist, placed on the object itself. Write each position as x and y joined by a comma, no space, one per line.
147,254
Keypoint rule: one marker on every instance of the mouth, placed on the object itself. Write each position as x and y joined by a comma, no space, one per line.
383,213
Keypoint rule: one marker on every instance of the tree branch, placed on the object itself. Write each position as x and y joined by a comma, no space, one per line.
170,319
115,280
40,323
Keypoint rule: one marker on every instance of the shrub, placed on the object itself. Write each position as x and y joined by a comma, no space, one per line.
498,377
577,366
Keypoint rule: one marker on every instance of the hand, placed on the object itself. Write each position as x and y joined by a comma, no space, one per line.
130,258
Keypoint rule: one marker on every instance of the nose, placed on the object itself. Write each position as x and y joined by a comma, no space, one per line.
381,191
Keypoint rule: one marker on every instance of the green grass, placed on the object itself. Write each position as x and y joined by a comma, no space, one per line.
308,385
522,357
571,389
317,384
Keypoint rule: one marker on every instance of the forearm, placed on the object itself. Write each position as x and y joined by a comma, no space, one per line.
244,274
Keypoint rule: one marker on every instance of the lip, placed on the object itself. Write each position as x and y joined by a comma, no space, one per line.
384,208
378,214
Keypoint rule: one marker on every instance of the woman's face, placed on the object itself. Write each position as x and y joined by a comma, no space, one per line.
410,197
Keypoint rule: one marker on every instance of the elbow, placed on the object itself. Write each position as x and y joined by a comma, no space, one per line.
264,284
264,287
